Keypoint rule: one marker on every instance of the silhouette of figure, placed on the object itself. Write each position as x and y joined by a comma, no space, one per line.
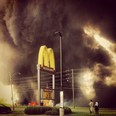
91,107
96,108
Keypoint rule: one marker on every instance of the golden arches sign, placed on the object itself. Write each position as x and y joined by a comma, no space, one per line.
46,57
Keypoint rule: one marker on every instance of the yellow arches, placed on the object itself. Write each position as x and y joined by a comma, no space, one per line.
46,57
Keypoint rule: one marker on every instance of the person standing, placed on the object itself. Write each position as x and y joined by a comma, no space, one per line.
96,108
91,107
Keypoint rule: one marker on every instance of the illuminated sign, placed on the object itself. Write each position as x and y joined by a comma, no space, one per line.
46,58
47,94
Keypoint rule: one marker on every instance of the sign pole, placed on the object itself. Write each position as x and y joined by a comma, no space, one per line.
53,87
39,84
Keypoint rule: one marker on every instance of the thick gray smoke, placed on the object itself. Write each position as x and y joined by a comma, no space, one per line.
25,25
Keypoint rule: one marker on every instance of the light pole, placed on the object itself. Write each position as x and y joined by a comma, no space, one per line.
59,33
12,92
61,92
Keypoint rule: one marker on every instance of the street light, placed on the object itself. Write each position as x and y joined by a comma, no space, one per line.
59,33
12,92
61,92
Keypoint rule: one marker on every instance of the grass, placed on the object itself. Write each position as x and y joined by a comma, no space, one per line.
77,111
87,114
84,111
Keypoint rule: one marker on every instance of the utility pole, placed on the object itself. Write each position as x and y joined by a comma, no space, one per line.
12,91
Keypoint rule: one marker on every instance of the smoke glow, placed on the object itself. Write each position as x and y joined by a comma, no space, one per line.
107,45
6,95
95,33
86,82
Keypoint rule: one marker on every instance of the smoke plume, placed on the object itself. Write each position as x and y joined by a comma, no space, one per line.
25,25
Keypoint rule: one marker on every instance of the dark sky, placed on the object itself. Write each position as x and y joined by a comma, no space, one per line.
25,25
